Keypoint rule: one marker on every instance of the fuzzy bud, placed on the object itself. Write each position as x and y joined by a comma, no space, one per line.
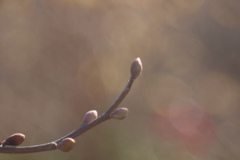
89,117
66,144
136,68
119,113
14,140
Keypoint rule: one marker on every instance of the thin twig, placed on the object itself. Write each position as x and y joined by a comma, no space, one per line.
105,116
135,71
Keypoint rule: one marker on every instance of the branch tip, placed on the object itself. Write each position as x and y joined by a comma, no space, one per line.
136,68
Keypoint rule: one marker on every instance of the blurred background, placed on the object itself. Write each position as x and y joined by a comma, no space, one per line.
62,58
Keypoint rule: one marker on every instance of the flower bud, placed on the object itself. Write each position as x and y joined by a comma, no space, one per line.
119,113
136,68
14,140
89,117
66,144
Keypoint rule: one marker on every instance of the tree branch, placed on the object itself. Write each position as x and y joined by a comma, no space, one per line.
66,142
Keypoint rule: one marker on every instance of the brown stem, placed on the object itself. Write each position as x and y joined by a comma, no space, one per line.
77,132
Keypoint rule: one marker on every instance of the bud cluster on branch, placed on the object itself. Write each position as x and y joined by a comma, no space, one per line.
90,120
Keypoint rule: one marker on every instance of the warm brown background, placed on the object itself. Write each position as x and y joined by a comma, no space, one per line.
61,58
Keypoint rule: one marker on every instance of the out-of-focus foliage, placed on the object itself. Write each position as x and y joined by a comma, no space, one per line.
62,58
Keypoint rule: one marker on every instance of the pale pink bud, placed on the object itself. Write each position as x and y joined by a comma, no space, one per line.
14,140
136,68
66,144
119,113
89,117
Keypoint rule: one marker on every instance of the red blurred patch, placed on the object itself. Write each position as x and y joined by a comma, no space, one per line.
188,125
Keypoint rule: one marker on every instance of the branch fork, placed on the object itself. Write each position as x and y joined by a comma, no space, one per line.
90,120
